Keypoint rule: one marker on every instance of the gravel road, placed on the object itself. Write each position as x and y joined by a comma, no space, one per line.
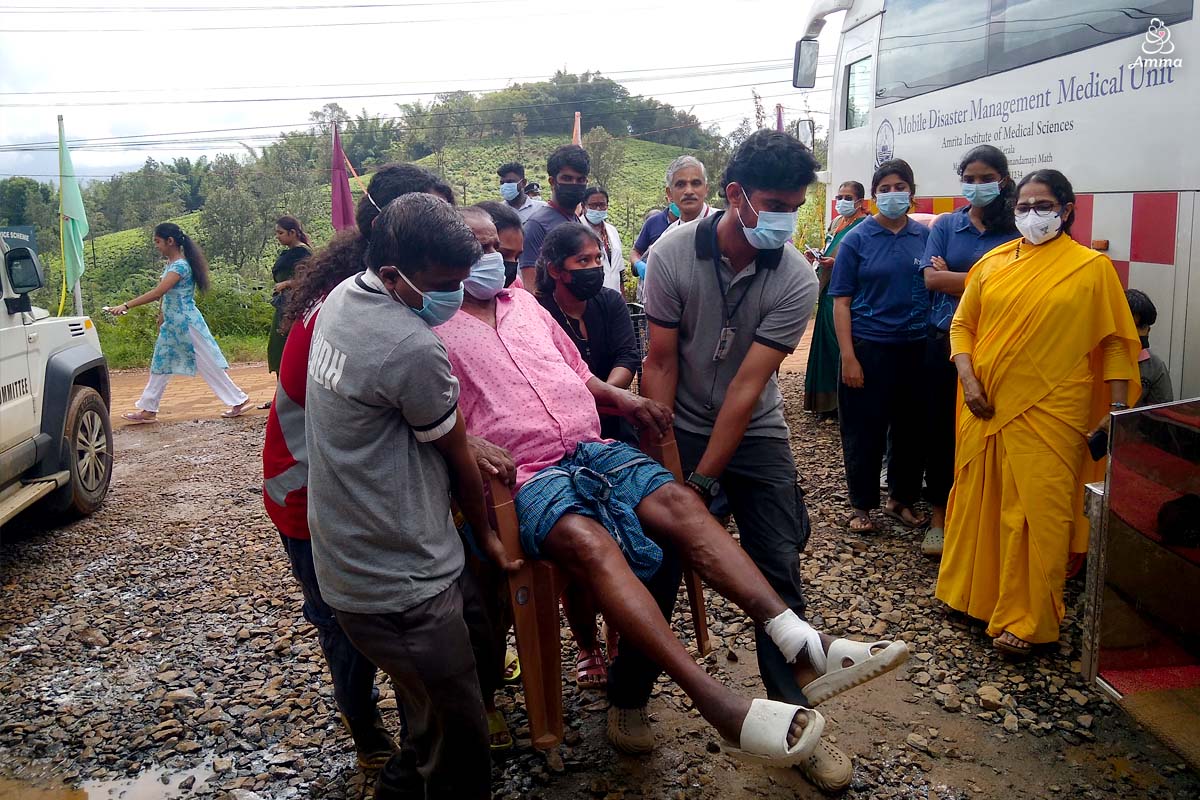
157,649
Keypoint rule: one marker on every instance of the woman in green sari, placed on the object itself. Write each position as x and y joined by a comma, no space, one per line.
824,358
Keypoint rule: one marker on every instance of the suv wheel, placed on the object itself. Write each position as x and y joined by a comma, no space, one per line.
87,453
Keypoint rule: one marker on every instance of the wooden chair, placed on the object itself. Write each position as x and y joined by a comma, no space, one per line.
535,591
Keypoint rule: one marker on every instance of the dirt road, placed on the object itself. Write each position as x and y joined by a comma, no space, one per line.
157,649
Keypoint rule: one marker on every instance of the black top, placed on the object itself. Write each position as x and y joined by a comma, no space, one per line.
285,264
610,341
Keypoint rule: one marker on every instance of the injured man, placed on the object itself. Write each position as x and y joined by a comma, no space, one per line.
600,510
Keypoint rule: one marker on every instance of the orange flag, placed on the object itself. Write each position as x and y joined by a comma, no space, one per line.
576,138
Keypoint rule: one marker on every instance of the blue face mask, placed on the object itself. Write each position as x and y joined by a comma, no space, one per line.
595,217
436,307
893,205
509,191
487,277
980,194
845,207
774,228
673,210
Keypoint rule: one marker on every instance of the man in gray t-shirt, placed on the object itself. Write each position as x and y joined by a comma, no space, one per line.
728,298
387,448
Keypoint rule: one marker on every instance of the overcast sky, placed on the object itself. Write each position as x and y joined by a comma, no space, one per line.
139,66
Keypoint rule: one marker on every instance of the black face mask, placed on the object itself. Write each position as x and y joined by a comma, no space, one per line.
569,195
586,283
510,273
1145,342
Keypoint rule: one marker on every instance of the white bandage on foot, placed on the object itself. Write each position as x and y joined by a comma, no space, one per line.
793,635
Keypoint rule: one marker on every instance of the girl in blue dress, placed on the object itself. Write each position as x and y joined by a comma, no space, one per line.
185,346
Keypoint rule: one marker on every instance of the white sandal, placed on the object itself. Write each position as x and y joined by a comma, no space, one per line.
868,662
765,730
237,411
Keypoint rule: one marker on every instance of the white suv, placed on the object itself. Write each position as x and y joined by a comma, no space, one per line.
56,445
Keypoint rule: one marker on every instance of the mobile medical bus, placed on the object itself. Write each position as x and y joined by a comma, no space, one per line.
1106,93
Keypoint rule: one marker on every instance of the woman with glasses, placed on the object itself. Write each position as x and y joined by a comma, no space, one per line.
1045,347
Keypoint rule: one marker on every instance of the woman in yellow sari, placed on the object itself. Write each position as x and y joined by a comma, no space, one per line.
1045,346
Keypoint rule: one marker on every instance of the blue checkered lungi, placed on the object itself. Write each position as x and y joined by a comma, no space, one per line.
603,481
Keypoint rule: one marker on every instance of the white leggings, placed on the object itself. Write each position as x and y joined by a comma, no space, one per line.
217,379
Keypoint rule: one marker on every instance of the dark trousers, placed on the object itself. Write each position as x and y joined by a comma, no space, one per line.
890,400
941,401
631,675
768,504
353,673
427,650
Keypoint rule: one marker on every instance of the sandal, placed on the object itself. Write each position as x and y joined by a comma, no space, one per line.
512,667
828,768
897,513
499,737
934,542
865,525
592,670
138,417
1012,646
236,411
763,738
867,660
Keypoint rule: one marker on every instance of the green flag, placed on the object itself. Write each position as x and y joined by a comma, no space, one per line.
73,219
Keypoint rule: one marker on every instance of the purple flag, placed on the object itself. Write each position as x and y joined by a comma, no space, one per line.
343,203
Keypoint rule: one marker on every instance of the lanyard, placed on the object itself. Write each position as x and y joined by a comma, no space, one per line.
716,253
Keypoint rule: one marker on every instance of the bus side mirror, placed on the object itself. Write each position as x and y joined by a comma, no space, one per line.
806,132
804,68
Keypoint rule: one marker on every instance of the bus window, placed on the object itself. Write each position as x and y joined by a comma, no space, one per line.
925,45
858,93
1025,31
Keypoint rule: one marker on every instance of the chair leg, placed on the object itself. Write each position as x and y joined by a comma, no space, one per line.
534,590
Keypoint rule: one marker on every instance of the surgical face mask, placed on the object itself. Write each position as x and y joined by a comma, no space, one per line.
893,205
595,217
436,307
486,278
1038,227
673,210
569,195
845,207
980,194
509,191
586,283
510,272
774,228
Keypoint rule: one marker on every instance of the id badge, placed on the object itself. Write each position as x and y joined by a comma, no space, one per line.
724,343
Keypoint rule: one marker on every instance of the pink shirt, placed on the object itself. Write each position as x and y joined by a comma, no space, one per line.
522,384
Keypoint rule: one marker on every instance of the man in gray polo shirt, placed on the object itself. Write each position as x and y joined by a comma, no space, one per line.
719,329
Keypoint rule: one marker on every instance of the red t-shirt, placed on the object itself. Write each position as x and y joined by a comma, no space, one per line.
285,454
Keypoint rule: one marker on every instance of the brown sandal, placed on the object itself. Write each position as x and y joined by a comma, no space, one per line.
864,518
592,669
1008,648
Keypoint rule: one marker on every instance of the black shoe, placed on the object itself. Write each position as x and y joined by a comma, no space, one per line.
371,740
398,780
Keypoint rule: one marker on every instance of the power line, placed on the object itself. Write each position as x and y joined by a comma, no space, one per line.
750,66
312,98
186,9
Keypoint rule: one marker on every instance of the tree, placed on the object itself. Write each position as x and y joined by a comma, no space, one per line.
606,154
760,113
154,193
519,123
193,174
329,114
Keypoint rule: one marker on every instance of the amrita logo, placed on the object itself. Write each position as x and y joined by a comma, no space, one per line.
1158,39
885,143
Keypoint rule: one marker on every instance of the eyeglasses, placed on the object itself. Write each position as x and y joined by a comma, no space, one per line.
1042,207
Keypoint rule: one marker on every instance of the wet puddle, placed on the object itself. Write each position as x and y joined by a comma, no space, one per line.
154,785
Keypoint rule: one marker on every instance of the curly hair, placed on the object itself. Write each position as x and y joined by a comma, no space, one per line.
773,161
345,254
560,244
569,155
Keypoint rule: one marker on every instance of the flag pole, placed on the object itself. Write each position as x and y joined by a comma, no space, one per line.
62,249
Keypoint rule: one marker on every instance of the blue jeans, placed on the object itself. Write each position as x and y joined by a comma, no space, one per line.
353,674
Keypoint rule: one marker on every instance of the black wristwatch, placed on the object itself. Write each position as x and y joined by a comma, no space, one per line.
707,487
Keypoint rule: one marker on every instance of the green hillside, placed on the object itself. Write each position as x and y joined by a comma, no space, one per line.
123,265
636,186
